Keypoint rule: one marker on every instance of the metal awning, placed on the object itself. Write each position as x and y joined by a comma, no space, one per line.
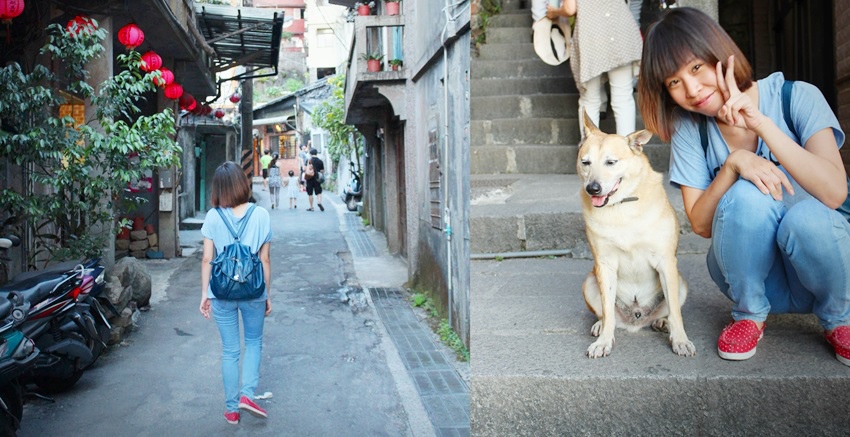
248,37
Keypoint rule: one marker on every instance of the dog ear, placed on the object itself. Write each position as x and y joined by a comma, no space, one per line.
589,127
638,139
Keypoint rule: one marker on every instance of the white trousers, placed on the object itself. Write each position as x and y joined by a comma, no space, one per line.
622,98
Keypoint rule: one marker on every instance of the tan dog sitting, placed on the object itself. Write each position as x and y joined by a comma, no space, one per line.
633,234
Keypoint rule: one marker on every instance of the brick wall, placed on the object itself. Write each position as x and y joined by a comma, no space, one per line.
842,71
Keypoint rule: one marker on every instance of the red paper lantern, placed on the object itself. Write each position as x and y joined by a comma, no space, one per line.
11,8
151,61
131,36
235,98
173,91
197,110
219,113
81,24
207,110
187,102
166,77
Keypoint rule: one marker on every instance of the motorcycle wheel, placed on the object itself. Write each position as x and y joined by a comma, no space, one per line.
58,384
351,204
10,417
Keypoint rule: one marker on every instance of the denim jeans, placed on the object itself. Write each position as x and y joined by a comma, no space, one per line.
767,259
226,314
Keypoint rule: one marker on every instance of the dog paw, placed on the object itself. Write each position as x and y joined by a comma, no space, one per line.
684,348
660,325
596,329
600,348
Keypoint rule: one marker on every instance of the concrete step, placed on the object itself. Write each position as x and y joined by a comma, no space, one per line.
514,6
509,35
520,86
525,131
506,52
524,69
516,212
515,18
531,328
524,106
191,223
522,158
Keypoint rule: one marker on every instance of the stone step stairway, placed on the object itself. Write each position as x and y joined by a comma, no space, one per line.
524,133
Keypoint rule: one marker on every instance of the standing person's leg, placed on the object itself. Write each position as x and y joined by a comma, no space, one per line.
590,100
253,318
319,196
621,80
310,194
227,319
277,196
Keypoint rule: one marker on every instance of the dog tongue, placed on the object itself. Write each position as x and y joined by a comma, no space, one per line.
598,200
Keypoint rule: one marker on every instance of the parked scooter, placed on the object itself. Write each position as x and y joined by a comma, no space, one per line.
62,320
353,192
17,356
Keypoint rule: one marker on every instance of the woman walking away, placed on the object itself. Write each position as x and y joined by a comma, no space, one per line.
231,191
606,40
274,181
761,176
292,188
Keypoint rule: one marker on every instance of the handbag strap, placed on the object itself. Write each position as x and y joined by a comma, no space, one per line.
236,234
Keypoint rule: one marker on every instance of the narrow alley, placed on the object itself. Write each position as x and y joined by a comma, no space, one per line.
337,360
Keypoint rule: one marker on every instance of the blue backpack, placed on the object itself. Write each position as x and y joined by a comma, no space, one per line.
237,273
787,86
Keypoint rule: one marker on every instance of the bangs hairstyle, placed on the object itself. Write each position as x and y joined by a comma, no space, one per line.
230,186
679,36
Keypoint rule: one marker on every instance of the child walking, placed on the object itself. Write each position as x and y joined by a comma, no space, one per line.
292,188
274,182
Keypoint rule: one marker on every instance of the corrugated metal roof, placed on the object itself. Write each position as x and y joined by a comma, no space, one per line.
249,37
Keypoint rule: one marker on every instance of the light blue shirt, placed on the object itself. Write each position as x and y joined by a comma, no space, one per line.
257,232
810,113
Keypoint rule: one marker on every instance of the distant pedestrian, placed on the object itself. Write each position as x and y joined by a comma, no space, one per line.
265,160
303,156
313,184
292,188
274,181
231,192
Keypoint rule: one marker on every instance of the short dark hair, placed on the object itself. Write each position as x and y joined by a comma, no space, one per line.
681,34
230,186
314,151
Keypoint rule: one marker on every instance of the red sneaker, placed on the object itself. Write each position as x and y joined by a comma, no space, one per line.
248,405
840,340
232,417
739,339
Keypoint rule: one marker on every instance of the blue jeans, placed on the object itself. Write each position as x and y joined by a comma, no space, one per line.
226,317
767,259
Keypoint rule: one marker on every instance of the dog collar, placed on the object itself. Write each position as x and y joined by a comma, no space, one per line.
629,199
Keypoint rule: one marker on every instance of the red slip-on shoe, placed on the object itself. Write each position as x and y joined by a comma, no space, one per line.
231,417
739,339
839,338
248,405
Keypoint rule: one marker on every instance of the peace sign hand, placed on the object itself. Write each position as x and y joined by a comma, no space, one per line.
739,109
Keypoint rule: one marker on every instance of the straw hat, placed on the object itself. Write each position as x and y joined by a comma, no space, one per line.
551,40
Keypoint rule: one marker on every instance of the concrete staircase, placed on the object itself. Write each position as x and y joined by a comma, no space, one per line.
530,326
524,140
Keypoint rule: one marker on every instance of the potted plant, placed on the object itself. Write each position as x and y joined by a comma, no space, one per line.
364,8
392,6
395,64
373,61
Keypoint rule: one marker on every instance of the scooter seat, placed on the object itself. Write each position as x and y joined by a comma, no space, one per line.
35,289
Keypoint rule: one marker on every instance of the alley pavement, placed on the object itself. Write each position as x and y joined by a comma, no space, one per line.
530,329
344,354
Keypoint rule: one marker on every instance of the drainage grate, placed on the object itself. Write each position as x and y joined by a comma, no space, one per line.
359,243
444,394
